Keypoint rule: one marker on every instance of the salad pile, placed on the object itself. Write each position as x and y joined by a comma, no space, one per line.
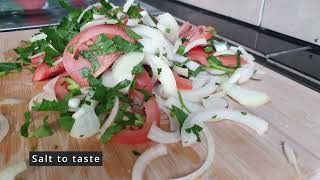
114,70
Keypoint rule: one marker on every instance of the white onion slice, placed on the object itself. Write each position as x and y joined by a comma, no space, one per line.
111,117
195,43
133,22
176,45
193,107
49,87
220,46
98,22
87,9
216,71
160,136
98,16
245,96
181,71
39,97
169,26
10,172
121,69
86,123
107,79
214,102
4,127
127,5
190,65
209,159
74,102
154,69
196,95
255,123
166,76
38,37
225,52
145,158
147,20
11,101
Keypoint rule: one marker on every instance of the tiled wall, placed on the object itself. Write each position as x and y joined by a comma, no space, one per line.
296,18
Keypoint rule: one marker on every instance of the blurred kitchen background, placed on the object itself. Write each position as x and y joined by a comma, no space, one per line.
284,35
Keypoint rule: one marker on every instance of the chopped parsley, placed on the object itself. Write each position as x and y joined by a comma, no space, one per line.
196,71
138,69
167,30
179,114
126,46
146,94
24,128
238,58
195,129
208,49
6,67
134,11
55,105
214,63
183,105
244,113
72,84
131,33
180,50
159,71
66,121
106,4
89,55
44,130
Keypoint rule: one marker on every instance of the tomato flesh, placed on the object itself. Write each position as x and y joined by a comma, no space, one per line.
182,83
143,81
139,136
230,60
37,60
43,71
198,54
60,88
192,33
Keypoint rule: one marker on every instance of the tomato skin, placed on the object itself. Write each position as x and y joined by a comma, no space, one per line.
73,66
198,54
192,33
139,136
230,60
43,71
182,83
137,101
60,88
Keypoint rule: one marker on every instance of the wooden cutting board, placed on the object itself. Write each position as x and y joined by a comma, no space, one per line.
293,114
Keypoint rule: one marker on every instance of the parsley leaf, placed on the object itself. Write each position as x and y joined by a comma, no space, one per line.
24,128
139,120
179,114
180,50
6,67
106,4
146,94
159,71
183,105
214,63
131,33
196,71
244,113
195,129
72,84
138,69
66,121
126,46
46,105
134,12
167,30
91,58
43,131
208,49
238,58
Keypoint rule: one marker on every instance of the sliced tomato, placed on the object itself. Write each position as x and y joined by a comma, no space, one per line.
182,83
198,54
192,33
37,60
139,136
60,88
43,71
230,61
137,101
143,81
80,41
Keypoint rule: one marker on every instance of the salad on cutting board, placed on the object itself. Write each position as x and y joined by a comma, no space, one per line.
116,72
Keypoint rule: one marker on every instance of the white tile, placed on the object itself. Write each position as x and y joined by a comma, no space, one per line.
243,10
296,18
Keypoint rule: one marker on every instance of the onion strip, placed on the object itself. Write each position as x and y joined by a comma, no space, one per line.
111,117
160,136
145,158
4,127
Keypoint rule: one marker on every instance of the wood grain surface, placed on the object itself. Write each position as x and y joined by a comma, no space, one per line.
293,114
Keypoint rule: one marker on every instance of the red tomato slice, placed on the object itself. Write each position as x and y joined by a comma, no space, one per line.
139,136
143,81
137,101
192,33
60,88
80,40
198,54
37,60
43,71
182,83
230,61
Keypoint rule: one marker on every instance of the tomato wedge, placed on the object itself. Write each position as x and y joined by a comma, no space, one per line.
198,54
43,71
182,83
80,41
192,33
60,88
230,60
139,136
